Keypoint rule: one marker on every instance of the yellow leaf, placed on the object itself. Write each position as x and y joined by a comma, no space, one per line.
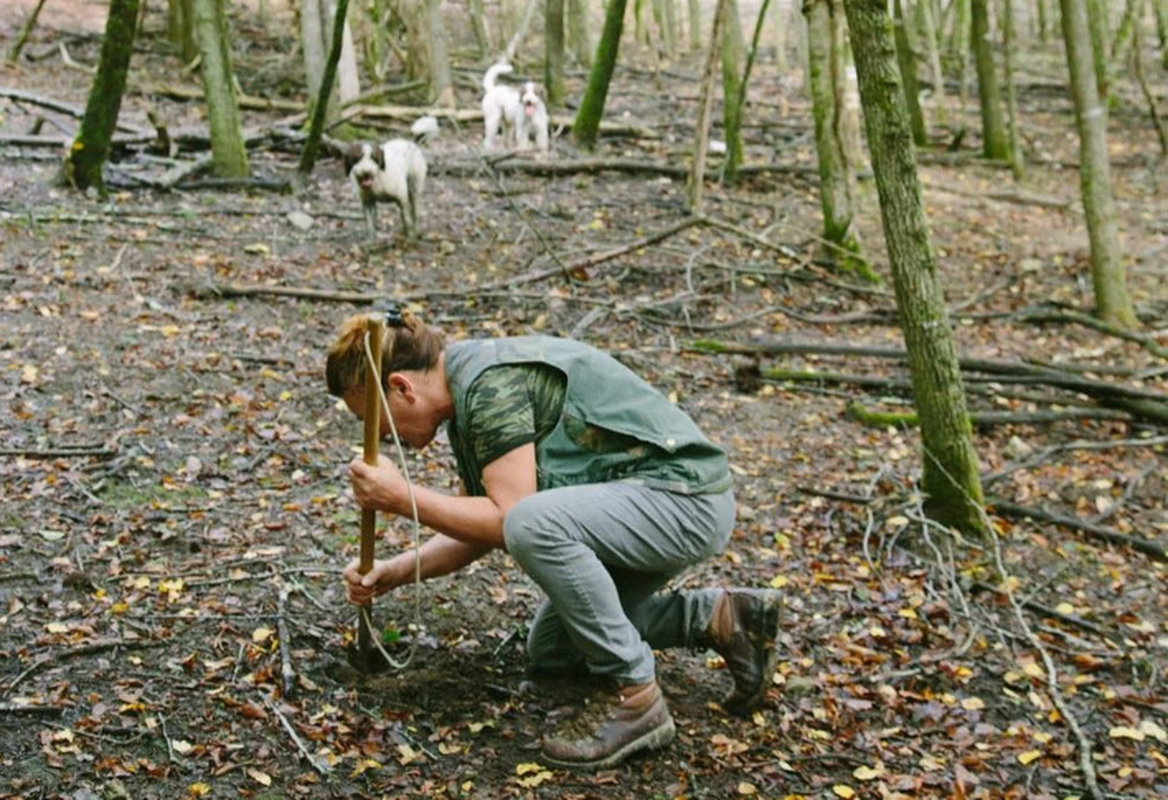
28,373
867,773
169,331
907,613
199,789
779,581
1033,670
262,778
1126,733
746,788
449,749
1028,756
1065,608
531,781
363,765
182,747
897,521
972,704
466,786
1042,737
844,791
407,754
261,635
528,768
57,627
1150,728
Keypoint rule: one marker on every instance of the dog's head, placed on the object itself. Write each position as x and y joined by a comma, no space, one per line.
363,162
530,98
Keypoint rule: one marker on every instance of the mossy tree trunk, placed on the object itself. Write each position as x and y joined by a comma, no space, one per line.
907,61
441,82
1017,158
1042,24
1112,302
995,139
554,60
180,29
87,156
1127,23
933,46
697,175
733,56
580,32
694,12
837,182
1098,29
320,109
950,463
478,24
228,153
587,125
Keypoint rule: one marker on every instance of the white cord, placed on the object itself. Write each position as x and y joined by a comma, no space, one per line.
417,627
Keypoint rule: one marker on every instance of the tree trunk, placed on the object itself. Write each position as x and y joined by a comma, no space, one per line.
84,162
694,10
1098,26
1142,80
950,461
995,140
837,184
1112,302
579,32
1161,9
320,110
1041,21
696,183
669,26
348,78
732,58
1126,23
554,61
25,30
907,61
312,40
228,152
478,23
587,124
779,29
180,29
932,42
520,31
441,83
1017,159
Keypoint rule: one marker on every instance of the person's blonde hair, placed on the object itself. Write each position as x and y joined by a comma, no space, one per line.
412,346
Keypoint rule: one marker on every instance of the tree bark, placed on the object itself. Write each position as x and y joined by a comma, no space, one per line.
995,140
1098,28
228,152
554,60
348,78
441,83
837,184
696,183
587,125
579,32
1126,24
1112,302
933,44
907,61
950,464
732,59
478,23
84,162
25,30
1041,20
694,9
315,45
1017,158
320,110
180,29
1142,80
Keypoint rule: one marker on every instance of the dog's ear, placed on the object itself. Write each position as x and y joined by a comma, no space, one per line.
353,154
379,157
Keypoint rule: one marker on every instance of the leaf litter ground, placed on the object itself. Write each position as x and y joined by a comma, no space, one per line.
140,586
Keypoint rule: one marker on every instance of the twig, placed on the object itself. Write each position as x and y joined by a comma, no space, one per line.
83,650
1156,551
287,674
1128,491
319,767
166,736
60,452
15,708
1048,452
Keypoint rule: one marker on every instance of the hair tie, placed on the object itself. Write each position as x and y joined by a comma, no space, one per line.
393,317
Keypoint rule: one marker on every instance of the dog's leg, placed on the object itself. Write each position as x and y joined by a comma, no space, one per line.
413,189
541,136
370,211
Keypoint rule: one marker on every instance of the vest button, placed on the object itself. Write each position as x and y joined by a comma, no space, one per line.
670,443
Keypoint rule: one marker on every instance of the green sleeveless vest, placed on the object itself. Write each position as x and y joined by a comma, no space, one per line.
660,445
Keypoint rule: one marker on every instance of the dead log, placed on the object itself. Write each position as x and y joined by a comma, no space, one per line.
1015,511
984,419
1145,341
592,166
21,96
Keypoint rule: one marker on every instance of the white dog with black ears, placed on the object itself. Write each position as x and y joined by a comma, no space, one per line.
502,113
394,172
533,121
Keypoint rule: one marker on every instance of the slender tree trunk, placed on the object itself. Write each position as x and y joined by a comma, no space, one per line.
1126,24
934,49
950,462
837,184
587,124
959,39
1161,9
697,175
1142,80
441,82
1041,20
907,61
995,140
348,78
1098,29
228,152
478,23
180,29
669,25
779,28
1017,158
580,32
732,60
314,43
554,61
323,100
25,30
84,162
1112,303
520,32
694,10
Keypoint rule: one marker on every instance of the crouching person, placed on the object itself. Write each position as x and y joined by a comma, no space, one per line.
595,484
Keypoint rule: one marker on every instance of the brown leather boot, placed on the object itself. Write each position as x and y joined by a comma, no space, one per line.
743,631
610,730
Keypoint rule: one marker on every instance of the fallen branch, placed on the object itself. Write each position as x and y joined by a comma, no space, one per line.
82,650
1077,318
596,165
21,96
1048,452
1015,511
60,452
287,674
317,765
982,419
44,711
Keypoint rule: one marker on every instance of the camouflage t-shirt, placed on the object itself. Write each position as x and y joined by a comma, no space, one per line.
511,405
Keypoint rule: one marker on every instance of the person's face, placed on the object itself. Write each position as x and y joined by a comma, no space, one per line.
416,425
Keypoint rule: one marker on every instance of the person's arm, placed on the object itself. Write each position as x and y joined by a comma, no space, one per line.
476,521
439,555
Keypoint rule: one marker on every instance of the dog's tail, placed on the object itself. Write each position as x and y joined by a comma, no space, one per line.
495,71
424,129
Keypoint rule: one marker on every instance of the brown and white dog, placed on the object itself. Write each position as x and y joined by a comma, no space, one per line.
534,119
393,172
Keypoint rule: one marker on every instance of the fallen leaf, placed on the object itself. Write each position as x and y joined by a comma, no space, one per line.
973,704
867,773
199,789
1126,733
262,778
181,746
1029,756
746,788
261,635
844,791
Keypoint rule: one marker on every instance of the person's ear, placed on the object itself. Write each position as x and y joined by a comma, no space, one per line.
400,383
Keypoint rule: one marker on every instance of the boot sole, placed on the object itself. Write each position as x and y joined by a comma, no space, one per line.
660,736
770,633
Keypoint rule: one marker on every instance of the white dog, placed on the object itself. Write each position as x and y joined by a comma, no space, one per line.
395,172
502,112
533,120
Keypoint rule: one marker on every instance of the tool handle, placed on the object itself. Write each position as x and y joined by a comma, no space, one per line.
372,437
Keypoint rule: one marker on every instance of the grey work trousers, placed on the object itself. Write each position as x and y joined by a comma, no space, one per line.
600,552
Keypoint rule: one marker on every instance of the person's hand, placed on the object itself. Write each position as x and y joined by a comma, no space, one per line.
377,581
379,487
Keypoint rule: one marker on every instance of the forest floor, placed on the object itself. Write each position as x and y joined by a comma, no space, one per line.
146,577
